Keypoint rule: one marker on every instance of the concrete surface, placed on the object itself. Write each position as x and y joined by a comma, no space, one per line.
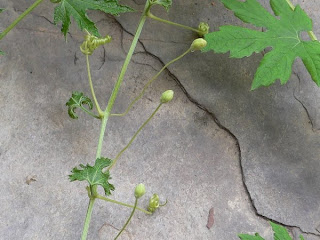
252,156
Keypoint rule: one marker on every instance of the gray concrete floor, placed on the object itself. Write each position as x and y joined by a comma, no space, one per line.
252,156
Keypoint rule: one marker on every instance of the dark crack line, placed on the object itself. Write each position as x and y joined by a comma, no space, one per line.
221,126
302,104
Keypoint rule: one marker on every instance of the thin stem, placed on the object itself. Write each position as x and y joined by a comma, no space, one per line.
120,79
92,89
88,218
88,112
149,82
310,33
125,225
150,15
123,204
15,22
134,137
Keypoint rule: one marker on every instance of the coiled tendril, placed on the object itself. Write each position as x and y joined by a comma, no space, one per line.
91,43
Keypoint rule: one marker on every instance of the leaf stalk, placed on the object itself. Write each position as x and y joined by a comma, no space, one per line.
22,16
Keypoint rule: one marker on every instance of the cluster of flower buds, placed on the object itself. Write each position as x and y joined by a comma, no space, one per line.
91,43
203,28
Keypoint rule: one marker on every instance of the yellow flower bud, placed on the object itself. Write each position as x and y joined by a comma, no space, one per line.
140,190
198,44
167,96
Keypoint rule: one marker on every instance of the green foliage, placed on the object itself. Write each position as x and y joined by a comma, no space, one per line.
280,233
94,174
165,3
78,100
77,9
283,35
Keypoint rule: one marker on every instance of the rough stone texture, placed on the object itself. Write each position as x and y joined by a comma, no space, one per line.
183,154
276,127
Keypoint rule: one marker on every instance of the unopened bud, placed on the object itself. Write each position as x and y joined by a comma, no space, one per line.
140,190
167,96
198,44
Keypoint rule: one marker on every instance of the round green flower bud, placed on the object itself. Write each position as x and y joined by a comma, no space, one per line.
140,190
204,28
167,96
198,44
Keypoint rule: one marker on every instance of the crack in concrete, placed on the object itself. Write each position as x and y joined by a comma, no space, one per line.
221,126
302,104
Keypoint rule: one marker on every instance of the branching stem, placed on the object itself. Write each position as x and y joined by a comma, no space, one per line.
125,225
134,137
310,33
150,15
110,105
15,22
122,204
92,89
148,83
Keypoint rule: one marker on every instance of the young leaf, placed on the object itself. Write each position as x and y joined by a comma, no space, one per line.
2,53
301,237
165,3
280,233
77,9
77,100
94,174
250,237
283,35
1,10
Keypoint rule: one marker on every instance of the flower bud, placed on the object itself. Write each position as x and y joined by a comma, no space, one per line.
198,44
154,203
167,96
140,190
204,28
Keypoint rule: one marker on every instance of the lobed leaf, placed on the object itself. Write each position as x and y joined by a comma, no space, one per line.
164,3
280,233
250,237
77,100
94,174
77,9
282,35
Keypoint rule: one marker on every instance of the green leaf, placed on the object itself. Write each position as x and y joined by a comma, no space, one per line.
165,3
280,233
250,237
77,101
94,174
301,237
1,10
283,35
77,9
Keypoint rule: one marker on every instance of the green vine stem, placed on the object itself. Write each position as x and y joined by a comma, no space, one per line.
310,33
92,89
126,224
109,108
88,219
134,136
150,15
15,22
148,83
122,204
